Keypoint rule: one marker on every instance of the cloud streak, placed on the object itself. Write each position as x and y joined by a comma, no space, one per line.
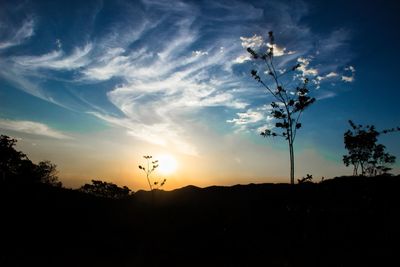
257,119
18,36
31,127
56,60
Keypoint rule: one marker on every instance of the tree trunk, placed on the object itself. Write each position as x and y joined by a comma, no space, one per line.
291,152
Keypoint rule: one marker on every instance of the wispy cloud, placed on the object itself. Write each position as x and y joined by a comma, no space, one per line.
254,42
175,61
326,95
19,35
56,60
241,59
330,75
257,119
159,133
30,127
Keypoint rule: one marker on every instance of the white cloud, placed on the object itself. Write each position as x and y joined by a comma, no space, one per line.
279,51
319,79
253,119
241,59
56,59
198,53
31,127
331,74
305,70
255,41
19,35
327,76
111,63
347,78
247,117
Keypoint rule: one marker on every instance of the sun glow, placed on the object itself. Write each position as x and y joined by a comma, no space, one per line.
167,164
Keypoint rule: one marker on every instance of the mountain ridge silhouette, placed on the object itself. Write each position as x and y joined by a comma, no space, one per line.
348,221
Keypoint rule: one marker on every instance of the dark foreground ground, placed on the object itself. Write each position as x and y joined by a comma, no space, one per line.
340,222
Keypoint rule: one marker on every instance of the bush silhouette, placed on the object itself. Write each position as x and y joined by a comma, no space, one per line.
107,190
307,179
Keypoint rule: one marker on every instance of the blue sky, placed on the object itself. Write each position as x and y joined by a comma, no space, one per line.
94,85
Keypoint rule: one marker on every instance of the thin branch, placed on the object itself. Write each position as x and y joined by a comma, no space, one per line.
297,120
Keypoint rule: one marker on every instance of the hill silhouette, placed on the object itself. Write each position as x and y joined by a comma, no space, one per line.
347,221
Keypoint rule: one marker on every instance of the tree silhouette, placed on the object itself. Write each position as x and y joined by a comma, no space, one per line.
47,172
363,151
10,159
16,167
107,190
288,105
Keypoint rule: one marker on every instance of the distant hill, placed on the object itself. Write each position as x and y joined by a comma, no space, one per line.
347,221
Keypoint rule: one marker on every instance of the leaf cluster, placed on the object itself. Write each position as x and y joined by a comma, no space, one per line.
150,167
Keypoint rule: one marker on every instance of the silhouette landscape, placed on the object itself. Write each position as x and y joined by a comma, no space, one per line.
344,221
199,133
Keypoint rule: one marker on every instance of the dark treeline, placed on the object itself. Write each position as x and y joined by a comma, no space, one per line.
18,170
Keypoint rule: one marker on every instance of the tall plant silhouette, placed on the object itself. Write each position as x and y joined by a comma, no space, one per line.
363,151
288,104
150,166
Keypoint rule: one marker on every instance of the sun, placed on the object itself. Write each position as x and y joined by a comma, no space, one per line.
167,164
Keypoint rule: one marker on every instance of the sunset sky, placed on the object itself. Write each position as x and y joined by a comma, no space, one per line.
94,85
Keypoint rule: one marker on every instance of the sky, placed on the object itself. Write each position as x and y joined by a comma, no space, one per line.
93,86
